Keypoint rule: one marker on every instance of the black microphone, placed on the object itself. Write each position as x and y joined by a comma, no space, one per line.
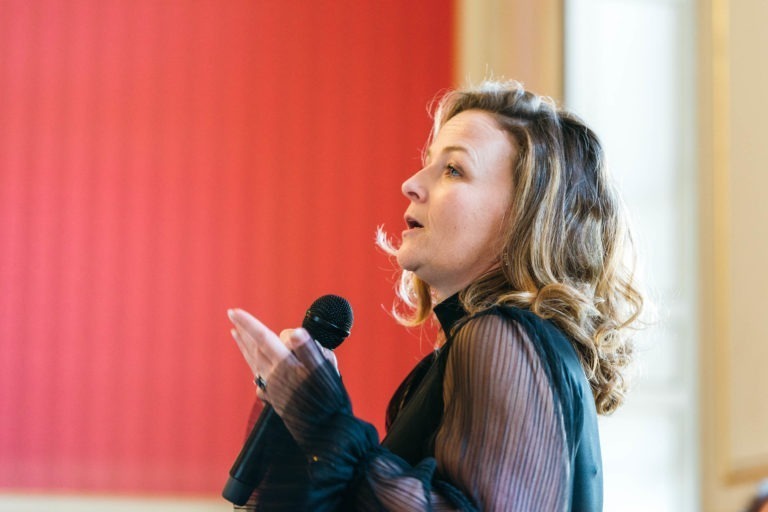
328,321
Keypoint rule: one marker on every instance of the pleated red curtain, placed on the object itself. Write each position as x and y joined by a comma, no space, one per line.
161,162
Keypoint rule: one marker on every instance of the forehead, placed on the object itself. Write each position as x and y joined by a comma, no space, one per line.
475,130
471,122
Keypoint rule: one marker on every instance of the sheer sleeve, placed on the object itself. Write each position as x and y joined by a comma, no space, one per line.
502,437
500,445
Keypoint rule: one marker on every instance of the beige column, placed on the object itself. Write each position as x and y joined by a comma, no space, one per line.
733,152
512,39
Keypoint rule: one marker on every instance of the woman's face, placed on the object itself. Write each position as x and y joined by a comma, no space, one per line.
458,201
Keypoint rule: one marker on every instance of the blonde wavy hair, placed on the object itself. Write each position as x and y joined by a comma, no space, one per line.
567,253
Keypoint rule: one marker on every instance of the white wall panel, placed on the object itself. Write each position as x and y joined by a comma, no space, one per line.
628,68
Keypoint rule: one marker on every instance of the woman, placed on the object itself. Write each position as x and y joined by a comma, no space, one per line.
517,242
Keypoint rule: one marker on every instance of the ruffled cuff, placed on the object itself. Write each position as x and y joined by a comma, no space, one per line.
305,386
308,394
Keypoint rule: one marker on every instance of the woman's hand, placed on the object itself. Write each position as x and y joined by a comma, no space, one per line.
293,342
262,349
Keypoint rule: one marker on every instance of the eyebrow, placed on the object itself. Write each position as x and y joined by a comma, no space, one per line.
448,149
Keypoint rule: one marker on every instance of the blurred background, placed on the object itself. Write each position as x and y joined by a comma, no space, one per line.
162,161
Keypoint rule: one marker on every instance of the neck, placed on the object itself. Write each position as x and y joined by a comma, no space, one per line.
445,290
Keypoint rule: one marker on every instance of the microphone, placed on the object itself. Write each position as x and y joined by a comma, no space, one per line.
328,321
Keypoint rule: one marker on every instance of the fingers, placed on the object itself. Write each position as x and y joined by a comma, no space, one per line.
297,337
261,347
251,353
294,338
285,336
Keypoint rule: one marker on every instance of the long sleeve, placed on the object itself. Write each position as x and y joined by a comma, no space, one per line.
500,446
502,436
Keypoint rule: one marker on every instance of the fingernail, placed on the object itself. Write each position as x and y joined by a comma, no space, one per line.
300,334
231,314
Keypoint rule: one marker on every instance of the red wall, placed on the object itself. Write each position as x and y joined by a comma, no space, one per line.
161,162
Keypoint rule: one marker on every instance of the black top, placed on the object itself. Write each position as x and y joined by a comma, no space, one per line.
501,417
416,408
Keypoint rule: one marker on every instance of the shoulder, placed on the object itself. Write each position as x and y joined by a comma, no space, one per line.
493,341
547,338
508,332
504,341
508,323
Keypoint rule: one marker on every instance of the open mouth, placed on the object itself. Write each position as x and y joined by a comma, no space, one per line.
412,223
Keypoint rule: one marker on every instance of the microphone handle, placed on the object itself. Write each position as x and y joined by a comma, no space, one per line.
249,467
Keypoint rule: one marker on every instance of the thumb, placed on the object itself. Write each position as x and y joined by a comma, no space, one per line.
298,337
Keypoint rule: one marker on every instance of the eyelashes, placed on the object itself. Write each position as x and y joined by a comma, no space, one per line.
453,171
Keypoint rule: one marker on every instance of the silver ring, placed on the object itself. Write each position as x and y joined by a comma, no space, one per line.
260,382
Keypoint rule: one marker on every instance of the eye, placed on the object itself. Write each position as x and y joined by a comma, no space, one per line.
453,171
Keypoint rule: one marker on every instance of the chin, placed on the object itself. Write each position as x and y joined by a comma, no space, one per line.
405,262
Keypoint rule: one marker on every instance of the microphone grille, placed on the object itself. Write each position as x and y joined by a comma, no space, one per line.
329,320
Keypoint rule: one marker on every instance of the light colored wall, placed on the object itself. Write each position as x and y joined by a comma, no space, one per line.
512,39
629,74
734,250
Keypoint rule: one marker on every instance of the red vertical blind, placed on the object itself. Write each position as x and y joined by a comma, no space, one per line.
161,162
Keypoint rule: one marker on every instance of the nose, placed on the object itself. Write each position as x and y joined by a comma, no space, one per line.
414,189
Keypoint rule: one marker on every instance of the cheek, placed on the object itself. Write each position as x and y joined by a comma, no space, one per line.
452,217
466,227
484,228
470,224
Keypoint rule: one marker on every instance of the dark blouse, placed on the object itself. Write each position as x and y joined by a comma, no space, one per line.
501,417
